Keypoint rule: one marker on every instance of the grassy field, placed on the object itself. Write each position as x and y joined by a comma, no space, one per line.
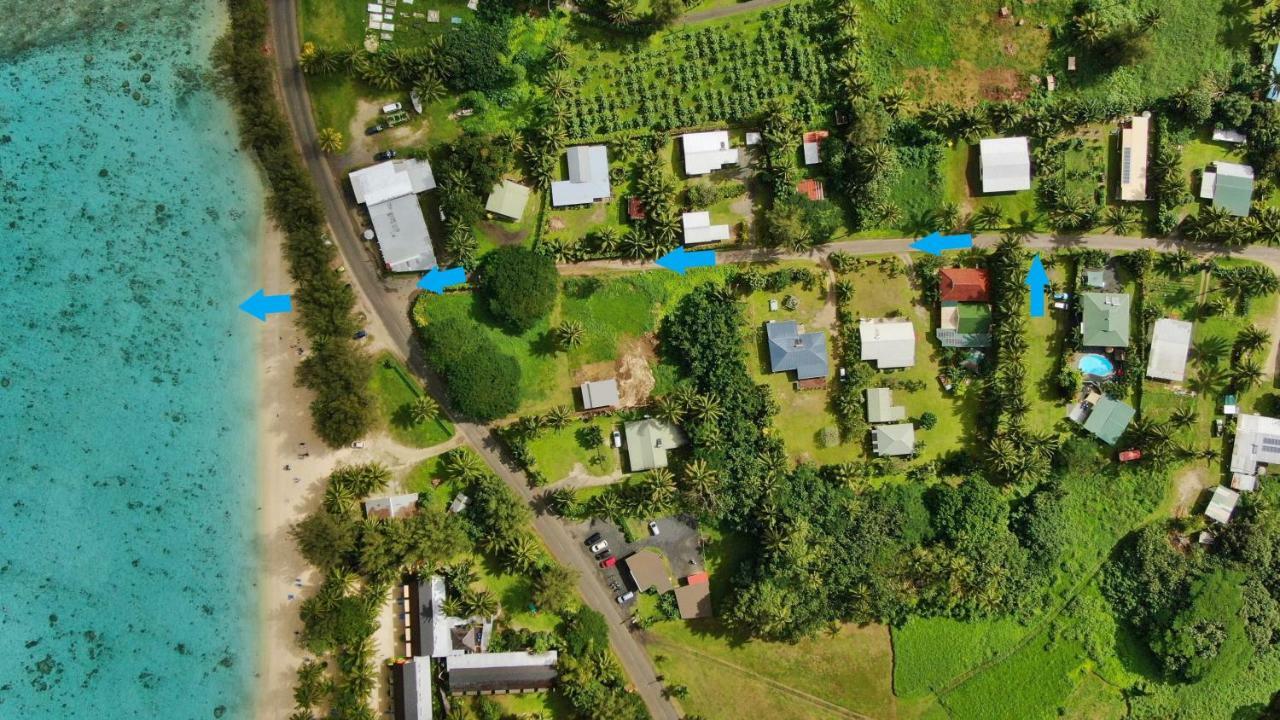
1033,683
930,652
962,186
396,389
557,453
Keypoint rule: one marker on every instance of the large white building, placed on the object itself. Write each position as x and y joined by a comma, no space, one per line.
698,229
1006,164
1170,343
588,177
1133,158
390,192
707,151
888,342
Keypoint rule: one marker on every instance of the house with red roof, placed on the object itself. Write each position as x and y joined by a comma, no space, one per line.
964,318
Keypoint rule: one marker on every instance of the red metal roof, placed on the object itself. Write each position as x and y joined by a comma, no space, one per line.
635,209
696,578
816,135
964,285
811,189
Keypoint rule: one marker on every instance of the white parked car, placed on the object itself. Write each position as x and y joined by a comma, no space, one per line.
625,597
602,545
653,528
392,107
359,444
617,439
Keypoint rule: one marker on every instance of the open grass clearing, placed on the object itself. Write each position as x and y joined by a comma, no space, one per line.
558,453
396,389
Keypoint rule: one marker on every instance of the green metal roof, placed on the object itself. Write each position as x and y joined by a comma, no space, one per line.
1108,420
508,199
974,318
1233,193
1106,319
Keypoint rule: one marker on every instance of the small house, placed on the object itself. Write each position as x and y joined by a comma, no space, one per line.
1229,186
1133,158
1274,94
705,152
1257,443
1108,419
812,146
791,349
1222,504
964,318
648,441
647,570
888,342
392,506
508,199
1006,164
693,598
599,394
812,189
1170,343
698,229
1105,320
893,440
588,177
880,407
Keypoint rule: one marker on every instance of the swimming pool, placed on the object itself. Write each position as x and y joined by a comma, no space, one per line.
1096,365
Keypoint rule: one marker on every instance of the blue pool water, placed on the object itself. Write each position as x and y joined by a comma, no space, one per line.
1096,365
129,221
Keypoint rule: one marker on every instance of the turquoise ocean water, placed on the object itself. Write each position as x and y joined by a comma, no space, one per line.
128,222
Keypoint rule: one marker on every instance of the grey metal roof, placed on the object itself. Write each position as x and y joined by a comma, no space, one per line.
402,234
588,177
599,393
1257,442
413,690
501,672
789,349
1170,343
894,440
880,407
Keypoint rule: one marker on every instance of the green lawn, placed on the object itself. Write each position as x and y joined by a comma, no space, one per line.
1044,343
962,186
930,652
557,453
1033,683
396,389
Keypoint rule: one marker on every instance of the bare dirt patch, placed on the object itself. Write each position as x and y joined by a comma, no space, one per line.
364,146
557,223
635,371
602,370
1188,485
1001,84
502,234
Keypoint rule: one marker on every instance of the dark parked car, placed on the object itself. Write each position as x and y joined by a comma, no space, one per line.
361,334
385,155
593,539
374,129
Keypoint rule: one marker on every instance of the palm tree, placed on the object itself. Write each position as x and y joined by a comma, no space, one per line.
1266,29
1183,416
429,89
607,505
876,158
894,100
1090,27
338,499
948,216
483,604
1150,19
559,52
464,464
1209,379
461,574
1121,219
987,217
700,484
669,408
659,488
1177,263
1246,375
558,417
521,552
559,501
453,606
1267,229
1251,339
423,409
558,84
706,408
571,333
1210,350
330,141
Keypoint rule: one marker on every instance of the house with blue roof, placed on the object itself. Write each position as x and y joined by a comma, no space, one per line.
791,349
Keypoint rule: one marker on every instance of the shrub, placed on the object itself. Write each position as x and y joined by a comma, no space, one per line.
519,285
483,382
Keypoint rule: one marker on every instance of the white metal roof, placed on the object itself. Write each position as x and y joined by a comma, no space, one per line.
1170,342
698,228
599,393
707,151
1233,169
1222,504
1006,164
811,156
889,342
518,658
402,234
1257,442
1228,135
1133,158
588,177
391,179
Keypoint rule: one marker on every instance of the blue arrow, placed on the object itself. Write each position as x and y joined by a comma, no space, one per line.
260,305
678,260
1037,278
436,280
935,242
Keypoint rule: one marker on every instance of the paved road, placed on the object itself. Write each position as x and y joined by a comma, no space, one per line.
388,305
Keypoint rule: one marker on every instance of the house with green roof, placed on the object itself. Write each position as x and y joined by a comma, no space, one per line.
508,200
1105,320
1229,186
648,441
1108,420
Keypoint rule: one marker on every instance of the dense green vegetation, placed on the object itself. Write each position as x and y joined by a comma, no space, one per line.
519,285
336,370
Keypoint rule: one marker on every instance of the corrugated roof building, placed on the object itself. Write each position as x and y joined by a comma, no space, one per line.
1133,158
789,349
588,177
707,151
501,673
888,342
390,192
648,441
1006,164
1105,319
1170,343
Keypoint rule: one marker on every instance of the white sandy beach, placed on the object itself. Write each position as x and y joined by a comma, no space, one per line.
287,496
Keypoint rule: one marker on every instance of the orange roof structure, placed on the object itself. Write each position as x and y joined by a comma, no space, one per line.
635,209
964,285
811,189
816,135
698,577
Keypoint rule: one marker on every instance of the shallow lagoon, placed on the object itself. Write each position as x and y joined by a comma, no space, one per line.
128,220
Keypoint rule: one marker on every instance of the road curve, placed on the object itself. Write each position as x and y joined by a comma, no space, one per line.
394,318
